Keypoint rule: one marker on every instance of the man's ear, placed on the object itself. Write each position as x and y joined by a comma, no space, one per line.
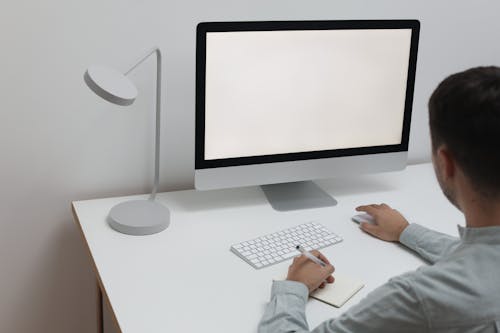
446,163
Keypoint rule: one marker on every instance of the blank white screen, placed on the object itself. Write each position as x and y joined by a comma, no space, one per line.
276,92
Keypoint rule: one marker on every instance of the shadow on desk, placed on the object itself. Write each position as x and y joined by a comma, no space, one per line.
253,196
355,185
216,199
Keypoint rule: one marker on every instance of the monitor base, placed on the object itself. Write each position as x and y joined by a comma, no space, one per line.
297,195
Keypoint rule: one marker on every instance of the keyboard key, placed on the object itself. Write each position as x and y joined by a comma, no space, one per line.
290,254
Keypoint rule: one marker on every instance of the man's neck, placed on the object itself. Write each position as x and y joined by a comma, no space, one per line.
481,212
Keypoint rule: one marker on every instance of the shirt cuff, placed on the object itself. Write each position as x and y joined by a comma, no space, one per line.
411,235
290,287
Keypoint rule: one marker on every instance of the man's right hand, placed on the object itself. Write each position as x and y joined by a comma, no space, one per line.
389,223
310,273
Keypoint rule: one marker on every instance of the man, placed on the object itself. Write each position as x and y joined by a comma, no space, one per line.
460,290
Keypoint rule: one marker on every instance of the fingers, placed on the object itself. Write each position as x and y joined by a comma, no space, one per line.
372,209
325,259
320,255
299,260
370,228
330,279
369,209
303,260
329,269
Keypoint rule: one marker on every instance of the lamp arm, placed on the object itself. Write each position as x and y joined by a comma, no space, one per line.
158,114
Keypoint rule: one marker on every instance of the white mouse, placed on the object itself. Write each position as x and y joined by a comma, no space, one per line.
363,218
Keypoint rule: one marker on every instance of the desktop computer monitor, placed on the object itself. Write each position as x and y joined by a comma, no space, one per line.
281,103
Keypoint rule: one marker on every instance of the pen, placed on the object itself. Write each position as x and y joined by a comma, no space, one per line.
310,256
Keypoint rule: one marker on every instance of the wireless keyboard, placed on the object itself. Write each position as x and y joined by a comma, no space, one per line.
279,246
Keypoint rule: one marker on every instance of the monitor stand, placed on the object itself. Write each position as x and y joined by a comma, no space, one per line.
297,195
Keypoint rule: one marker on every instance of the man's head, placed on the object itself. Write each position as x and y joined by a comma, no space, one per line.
464,118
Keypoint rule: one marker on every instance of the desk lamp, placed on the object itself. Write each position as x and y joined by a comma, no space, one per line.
135,217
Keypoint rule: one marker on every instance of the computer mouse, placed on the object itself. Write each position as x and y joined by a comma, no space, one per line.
367,218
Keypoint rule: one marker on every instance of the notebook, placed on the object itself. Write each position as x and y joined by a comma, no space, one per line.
339,292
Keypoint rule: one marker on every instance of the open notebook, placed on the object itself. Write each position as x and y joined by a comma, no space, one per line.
339,292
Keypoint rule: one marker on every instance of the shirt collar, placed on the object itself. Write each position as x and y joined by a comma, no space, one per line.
480,235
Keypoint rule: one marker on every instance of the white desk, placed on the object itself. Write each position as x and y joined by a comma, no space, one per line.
185,279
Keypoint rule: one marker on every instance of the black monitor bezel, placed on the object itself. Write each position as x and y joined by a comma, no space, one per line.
205,27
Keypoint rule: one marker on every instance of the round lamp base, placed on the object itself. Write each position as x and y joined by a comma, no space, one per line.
139,217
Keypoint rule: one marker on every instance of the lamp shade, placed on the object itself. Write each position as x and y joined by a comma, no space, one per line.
110,85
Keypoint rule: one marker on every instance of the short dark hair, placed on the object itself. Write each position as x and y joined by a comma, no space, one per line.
464,114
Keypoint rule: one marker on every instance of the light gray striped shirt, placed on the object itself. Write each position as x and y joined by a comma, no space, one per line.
458,292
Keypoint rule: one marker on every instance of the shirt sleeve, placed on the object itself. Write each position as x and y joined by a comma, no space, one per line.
429,244
393,307
286,310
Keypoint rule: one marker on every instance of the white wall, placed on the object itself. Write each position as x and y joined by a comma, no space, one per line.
59,142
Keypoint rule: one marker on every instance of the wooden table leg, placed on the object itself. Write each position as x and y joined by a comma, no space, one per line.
99,314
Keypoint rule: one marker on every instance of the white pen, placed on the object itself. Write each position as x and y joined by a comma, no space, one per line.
310,256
